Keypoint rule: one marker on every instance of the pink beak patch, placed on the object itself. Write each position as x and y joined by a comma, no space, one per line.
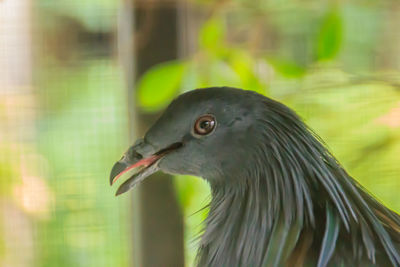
143,162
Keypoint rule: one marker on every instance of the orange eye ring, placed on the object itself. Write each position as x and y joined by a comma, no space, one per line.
205,124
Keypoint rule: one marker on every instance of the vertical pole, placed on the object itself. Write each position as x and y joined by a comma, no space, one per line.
157,219
17,131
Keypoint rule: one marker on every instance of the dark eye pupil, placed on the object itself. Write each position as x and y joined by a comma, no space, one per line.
205,124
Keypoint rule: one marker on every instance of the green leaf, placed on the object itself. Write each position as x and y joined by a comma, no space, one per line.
212,34
287,68
220,73
329,38
159,85
243,64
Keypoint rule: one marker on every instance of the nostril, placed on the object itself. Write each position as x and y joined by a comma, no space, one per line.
132,154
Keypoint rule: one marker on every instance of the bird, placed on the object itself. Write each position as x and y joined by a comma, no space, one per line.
278,196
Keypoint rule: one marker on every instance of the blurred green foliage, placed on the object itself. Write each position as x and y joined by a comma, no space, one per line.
95,15
212,34
167,76
80,135
329,36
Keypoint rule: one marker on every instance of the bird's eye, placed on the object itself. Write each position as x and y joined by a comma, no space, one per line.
204,124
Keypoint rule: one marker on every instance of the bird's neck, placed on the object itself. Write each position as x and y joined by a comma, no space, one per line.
261,221
240,223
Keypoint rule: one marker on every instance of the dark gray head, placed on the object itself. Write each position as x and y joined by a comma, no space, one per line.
229,119
212,133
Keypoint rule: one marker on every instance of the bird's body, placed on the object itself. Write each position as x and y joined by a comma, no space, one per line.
279,198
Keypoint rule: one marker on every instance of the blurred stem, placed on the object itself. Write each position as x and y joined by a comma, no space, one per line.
157,218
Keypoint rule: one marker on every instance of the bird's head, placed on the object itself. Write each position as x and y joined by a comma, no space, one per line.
210,133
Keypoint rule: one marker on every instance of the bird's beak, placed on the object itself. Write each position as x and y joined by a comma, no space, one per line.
140,161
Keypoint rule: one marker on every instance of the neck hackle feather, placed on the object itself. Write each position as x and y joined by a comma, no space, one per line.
296,206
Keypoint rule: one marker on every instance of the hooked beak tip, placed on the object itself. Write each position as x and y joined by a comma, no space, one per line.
117,169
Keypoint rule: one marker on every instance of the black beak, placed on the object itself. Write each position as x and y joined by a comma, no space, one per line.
140,161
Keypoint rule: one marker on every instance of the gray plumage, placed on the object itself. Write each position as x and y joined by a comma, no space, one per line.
279,197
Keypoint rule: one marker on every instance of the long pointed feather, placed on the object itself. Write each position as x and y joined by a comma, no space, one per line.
330,237
284,236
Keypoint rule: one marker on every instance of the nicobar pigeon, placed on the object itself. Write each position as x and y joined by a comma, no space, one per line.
279,197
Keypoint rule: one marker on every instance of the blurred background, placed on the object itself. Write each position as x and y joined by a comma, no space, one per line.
80,80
